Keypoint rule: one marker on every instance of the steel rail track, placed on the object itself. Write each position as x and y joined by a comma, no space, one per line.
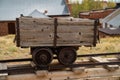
86,65
16,60
18,70
29,69
22,69
85,55
100,54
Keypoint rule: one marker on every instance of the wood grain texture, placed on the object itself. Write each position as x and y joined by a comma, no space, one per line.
100,60
87,74
76,21
40,32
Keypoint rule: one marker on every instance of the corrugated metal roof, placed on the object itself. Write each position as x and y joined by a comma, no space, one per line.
37,14
113,19
10,9
110,31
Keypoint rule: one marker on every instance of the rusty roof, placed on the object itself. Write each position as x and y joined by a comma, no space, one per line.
96,14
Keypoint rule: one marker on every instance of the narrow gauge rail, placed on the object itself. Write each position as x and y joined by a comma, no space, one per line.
85,55
30,69
22,69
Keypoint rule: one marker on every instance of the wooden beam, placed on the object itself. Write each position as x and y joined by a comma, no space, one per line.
3,75
109,67
118,57
78,70
42,73
87,74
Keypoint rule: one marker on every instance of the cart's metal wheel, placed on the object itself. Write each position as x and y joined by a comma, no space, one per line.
67,56
42,56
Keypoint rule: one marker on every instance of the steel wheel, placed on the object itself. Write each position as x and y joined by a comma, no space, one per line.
67,56
42,57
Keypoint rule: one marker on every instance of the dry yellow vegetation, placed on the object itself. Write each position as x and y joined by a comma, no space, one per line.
8,49
109,44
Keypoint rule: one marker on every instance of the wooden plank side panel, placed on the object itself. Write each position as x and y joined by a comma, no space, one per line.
36,35
38,21
75,31
36,28
26,43
36,32
76,21
38,38
75,37
34,44
40,32
74,28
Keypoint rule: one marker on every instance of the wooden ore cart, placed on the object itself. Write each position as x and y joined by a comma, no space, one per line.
55,36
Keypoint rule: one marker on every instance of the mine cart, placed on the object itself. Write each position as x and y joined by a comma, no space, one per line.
55,36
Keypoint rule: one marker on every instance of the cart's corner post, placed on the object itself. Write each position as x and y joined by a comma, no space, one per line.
17,36
55,32
96,22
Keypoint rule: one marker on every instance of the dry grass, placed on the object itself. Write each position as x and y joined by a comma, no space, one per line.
111,44
8,49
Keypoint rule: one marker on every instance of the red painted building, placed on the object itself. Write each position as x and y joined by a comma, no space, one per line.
97,14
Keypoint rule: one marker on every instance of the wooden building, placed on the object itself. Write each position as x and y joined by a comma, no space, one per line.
111,24
109,32
96,14
12,9
7,27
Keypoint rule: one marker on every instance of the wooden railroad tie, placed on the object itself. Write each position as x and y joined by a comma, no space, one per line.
109,72
78,70
3,75
108,67
87,74
118,56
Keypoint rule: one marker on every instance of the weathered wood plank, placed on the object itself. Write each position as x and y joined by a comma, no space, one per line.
29,44
42,73
72,28
3,66
74,36
78,70
35,34
72,42
76,21
62,29
87,74
118,57
84,40
32,21
43,28
39,36
3,76
61,36
109,67
62,39
35,31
